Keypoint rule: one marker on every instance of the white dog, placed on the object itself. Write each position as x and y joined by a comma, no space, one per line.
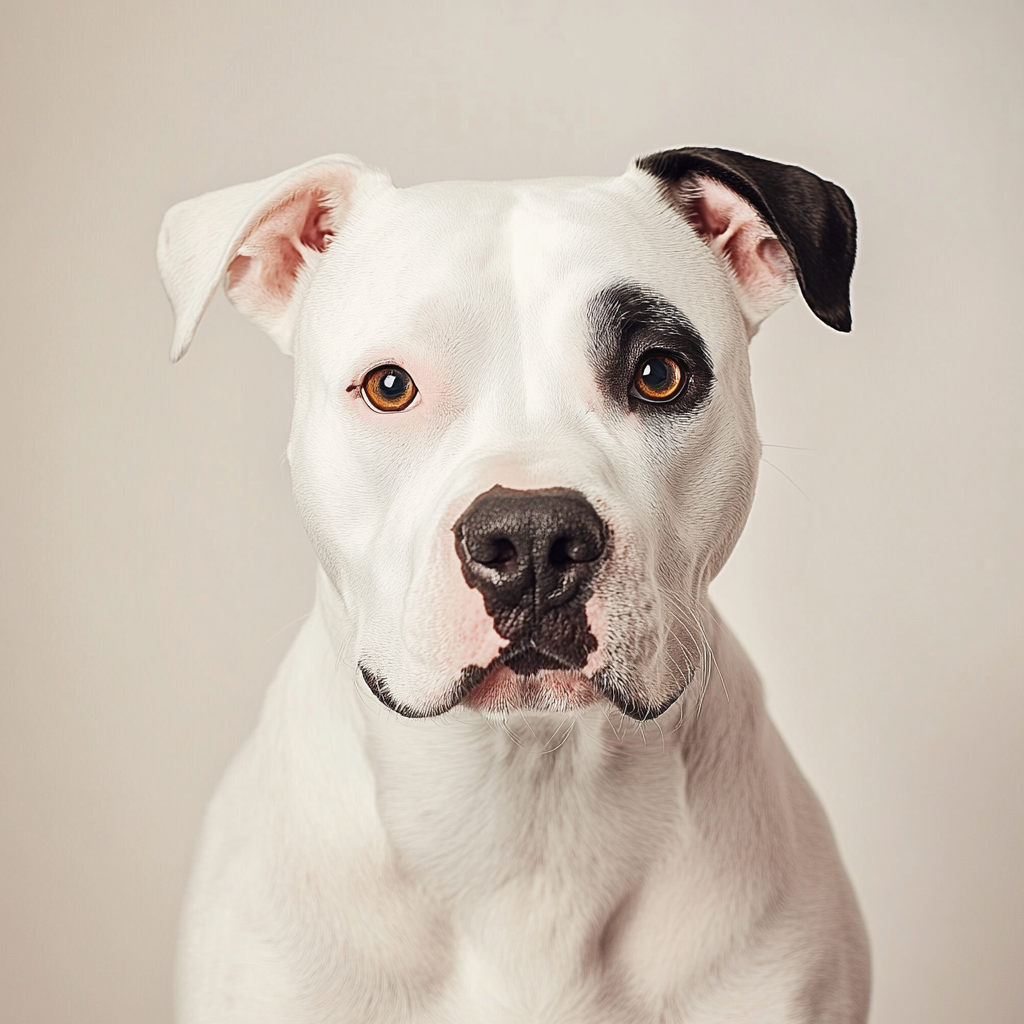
514,768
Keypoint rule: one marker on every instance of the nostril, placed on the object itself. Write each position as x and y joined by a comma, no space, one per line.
560,553
569,549
494,552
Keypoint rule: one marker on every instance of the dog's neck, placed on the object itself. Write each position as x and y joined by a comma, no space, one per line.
546,826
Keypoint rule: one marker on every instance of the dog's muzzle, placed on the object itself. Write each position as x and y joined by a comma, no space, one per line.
534,556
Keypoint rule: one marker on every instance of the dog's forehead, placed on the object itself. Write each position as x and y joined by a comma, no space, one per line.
537,251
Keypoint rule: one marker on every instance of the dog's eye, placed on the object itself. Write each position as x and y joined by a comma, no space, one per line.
388,389
659,377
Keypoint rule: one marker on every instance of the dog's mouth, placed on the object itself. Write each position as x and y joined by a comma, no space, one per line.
526,677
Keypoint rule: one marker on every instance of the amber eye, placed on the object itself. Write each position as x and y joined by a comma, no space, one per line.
388,389
658,378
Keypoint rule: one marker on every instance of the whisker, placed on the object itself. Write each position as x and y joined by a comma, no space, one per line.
568,733
675,664
509,733
788,477
639,727
529,726
661,732
721,674
551,736
710,613
287,625
679,724
611,725
689,613
707,662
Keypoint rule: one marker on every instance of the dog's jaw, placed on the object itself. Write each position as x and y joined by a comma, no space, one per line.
519,679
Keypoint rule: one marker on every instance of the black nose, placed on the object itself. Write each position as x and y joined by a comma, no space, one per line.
529,553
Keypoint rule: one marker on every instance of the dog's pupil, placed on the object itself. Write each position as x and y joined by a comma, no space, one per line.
656,374
392,385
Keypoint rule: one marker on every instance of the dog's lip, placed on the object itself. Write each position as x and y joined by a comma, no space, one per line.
501,688
496,687
485,689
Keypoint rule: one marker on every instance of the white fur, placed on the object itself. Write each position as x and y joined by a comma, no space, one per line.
518,865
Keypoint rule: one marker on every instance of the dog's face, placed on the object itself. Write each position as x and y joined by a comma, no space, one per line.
531,528
524,439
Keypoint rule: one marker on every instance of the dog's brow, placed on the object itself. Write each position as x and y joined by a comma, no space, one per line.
627,319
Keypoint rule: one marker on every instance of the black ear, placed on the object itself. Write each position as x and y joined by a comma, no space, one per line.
812,218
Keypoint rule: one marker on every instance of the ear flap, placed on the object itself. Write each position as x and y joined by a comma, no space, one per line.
812,220
266,236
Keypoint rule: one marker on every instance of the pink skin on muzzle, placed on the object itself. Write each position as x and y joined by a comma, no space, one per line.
501,690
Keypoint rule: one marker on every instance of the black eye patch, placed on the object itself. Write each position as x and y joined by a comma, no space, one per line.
628,325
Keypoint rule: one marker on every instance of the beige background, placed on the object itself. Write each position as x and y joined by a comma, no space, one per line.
154,571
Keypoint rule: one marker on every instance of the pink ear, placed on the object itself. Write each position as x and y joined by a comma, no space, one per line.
262,239
734,231
264,279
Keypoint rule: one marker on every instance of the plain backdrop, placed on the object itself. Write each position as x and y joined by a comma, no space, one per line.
154,570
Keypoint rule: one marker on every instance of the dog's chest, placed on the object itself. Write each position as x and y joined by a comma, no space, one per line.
537,866
513,969
522,971
524,1004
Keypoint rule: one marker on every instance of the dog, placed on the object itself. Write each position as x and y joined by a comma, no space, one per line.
514,768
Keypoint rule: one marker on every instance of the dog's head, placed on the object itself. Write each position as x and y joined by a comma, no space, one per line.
524,439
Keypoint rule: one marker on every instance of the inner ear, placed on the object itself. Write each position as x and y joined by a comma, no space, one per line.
265,277
759,265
